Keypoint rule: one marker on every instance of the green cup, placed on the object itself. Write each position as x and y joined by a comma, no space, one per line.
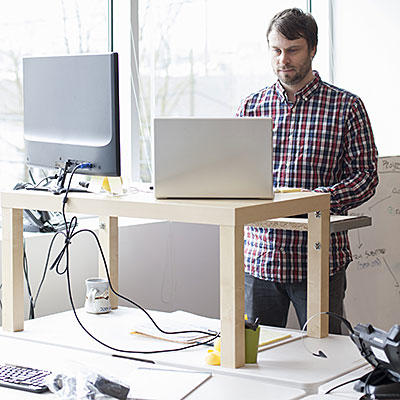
251,345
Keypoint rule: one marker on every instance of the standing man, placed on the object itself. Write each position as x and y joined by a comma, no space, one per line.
322,142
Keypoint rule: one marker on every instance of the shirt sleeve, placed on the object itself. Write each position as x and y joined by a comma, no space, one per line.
360,176
241,111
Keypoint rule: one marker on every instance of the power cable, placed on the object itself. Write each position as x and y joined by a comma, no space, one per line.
69,234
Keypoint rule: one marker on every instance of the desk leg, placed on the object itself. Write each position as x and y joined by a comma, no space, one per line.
232,296
108,235
12,270
318,273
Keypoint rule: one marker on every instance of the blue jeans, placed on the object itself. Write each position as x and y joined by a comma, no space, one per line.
269,301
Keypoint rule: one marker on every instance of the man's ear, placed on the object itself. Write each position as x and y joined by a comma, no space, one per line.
313,52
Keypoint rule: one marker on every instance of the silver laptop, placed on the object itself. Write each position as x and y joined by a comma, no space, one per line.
213,158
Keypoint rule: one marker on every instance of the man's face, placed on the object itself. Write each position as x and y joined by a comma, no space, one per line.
290,59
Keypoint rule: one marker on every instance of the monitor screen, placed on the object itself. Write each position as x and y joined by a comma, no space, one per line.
71,112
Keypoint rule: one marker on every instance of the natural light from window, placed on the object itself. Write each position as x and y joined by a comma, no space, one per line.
201,57
36,28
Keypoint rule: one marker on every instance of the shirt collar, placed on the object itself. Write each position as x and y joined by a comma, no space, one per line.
306,92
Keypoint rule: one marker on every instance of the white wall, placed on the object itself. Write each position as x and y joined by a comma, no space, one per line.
163,266
169,266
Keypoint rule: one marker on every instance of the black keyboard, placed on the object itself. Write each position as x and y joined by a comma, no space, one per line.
23,378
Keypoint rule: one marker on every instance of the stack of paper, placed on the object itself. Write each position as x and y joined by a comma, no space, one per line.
174,322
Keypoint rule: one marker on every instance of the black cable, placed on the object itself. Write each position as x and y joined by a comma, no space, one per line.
33,299
28,286
31,176
44,271
369,395
304,333
46,178
388,396
342,384
366,384
384,396
54,227
69,234
35,185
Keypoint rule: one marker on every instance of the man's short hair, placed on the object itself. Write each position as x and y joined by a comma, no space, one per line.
293,23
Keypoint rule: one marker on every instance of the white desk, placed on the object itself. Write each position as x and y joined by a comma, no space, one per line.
343,392
230,215
289,365
337,396
59,359
225,387
349,395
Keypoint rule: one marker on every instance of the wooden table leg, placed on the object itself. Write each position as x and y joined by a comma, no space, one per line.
232,296
108,236
318,273
12,270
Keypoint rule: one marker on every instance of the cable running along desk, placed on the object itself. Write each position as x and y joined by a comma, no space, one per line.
230,215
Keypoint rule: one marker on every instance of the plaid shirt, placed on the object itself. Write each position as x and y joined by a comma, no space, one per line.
322,142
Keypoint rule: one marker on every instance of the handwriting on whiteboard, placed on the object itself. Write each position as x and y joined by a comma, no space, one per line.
389,166
369,258
378,250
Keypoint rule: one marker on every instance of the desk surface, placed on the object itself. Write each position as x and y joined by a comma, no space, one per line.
289,365
337,396
60,359
345,392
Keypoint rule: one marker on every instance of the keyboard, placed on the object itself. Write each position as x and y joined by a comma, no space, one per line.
23,378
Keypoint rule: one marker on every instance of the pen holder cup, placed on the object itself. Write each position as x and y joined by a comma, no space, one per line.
251,345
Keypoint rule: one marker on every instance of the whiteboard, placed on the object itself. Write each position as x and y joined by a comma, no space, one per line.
373,291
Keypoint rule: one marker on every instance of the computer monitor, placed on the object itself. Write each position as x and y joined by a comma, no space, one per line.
71,112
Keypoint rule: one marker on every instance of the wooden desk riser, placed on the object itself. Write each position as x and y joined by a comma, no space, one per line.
230,215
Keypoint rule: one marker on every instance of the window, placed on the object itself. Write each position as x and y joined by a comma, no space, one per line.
34,28
195,58
200,58
367,63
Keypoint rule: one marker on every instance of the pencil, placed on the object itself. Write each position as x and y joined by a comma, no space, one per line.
133,358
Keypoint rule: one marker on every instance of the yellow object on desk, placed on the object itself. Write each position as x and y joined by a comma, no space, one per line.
269,336
214,355
286,190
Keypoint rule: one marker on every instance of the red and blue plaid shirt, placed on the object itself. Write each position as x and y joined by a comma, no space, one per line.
322,142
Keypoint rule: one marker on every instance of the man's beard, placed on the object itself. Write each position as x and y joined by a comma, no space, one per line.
297,77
